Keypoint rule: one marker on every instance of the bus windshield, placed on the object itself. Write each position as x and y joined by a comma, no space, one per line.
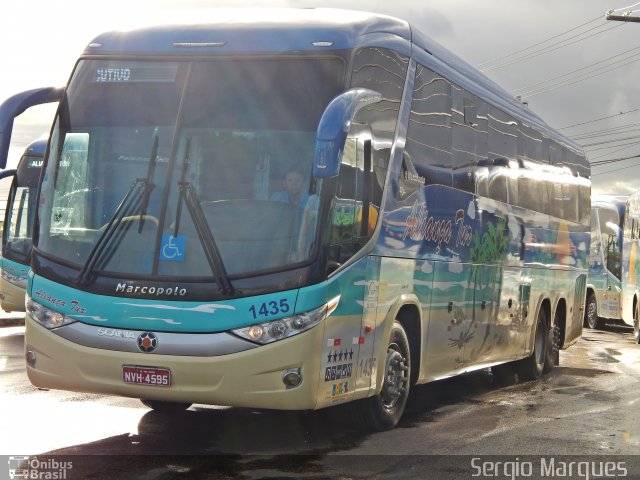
611,233
155,166
21,208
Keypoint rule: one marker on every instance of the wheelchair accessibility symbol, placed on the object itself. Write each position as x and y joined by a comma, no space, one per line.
173,247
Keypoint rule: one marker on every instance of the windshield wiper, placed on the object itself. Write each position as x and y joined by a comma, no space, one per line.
211,251
136,197
185,167
149,185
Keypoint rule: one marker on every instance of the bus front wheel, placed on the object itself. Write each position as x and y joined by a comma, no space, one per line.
591,316
383,411
636,325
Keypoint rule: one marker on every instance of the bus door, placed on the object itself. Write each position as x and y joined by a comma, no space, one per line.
611,237
349,363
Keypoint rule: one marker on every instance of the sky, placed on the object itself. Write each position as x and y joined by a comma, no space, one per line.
585,70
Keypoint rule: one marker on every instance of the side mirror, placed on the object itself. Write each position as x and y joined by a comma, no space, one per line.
17,104
7,173
333,128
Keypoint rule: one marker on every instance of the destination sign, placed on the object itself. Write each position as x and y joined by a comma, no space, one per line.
134,72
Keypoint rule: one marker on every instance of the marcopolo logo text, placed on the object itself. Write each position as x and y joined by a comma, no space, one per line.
176,291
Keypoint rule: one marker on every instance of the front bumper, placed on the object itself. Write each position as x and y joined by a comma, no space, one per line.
250,378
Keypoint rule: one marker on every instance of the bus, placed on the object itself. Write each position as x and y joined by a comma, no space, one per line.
18,227
612,289
443,226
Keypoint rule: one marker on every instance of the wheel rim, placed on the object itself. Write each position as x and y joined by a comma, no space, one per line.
395,378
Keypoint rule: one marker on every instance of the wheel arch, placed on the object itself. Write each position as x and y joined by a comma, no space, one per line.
408,312
560,319
409,318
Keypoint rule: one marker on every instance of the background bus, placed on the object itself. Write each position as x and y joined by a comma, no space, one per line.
18,227
444,226
612,292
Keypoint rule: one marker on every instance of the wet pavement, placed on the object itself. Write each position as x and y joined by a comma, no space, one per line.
585,408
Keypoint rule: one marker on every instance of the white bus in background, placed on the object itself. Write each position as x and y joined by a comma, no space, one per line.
612,290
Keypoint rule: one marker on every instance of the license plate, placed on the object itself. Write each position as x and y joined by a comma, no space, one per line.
155,376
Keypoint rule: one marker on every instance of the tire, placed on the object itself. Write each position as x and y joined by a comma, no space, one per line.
553,348
591,318
532,367
162,406
383,411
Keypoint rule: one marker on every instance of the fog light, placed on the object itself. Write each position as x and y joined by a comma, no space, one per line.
256,332
278,329
292,378
31,358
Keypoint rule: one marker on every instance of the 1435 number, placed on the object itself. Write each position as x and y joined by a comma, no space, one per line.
267,309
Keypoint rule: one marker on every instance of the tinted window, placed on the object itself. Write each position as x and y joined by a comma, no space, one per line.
429,133
469,137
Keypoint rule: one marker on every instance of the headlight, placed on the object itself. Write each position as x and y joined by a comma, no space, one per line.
14,279
46,317
268,332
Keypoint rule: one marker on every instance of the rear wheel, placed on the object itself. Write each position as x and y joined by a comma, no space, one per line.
383,411
162,406
591,315
532,367
553,348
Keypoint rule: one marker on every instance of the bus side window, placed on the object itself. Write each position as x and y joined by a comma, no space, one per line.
469,137
429,132
502,149
610,234
356,206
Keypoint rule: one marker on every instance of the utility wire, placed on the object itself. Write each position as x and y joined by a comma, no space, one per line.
611,146
548,49
624,8
551,88
496,59
599,62
617,169
599,119
627,128
615,151
611,160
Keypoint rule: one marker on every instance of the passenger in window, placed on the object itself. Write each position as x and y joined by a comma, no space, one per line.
294,192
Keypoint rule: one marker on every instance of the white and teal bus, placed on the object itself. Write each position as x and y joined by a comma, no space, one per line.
442,228
614,262
18,227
